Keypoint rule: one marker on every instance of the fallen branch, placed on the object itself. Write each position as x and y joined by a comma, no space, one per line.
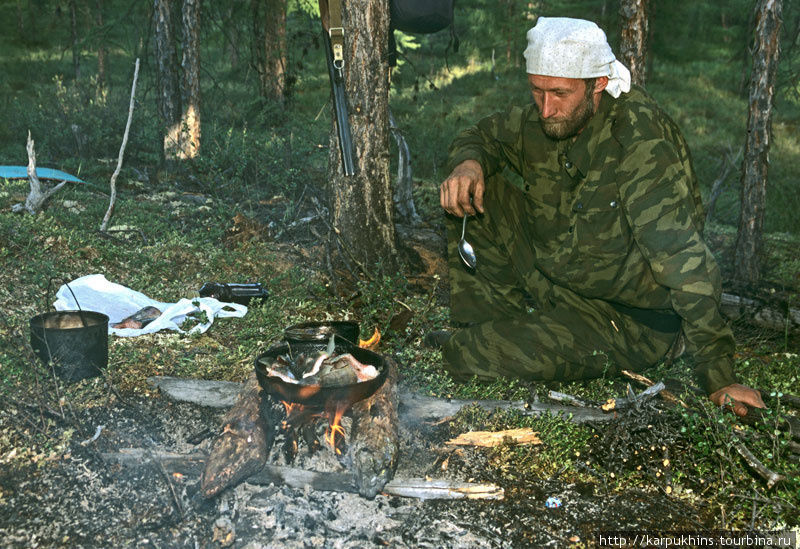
792,401
414,408
767,474
632,399
771,477
410,487
488,439
215,394
301,478
569,399
734,306
666,395
36,197
113,183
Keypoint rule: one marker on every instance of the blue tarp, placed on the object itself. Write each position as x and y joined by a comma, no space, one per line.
21,172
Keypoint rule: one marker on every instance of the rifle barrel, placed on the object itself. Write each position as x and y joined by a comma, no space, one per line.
340,107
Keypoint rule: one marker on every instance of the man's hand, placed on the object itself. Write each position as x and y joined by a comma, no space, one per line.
738,397
462,191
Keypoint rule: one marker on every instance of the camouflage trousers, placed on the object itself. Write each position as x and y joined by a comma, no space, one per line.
512,321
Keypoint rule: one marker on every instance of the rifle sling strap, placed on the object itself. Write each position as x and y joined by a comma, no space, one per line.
336,32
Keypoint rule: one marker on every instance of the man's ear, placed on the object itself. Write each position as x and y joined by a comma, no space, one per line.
600,83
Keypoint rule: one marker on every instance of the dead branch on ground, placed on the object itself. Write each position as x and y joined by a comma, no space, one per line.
771,477
666,395
734,307
192,464
415,407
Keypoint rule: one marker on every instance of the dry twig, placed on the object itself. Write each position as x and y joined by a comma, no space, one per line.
763,471
666,395
113,183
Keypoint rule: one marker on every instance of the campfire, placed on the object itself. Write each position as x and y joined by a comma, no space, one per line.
305,419
284,415
299,386
315,384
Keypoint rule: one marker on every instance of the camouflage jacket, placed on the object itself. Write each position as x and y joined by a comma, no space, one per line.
620,215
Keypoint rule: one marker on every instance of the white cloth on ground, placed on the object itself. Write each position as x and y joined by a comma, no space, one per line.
95,293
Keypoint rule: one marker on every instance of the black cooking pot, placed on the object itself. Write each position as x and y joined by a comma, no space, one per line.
320,395
75,341
322,331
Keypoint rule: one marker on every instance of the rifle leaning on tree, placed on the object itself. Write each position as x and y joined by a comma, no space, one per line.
333,38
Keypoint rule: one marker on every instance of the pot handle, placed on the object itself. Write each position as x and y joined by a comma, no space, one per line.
47,297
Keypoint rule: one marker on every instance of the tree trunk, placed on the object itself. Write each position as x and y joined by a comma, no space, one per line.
766,50
190,92
362,210
232,38
269,47
101,49
634,38
76,54
20,20
167,76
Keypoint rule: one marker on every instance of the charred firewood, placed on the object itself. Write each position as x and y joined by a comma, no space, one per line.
242,447
374,446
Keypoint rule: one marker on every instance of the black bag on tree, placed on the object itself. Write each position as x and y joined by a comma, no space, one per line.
420,17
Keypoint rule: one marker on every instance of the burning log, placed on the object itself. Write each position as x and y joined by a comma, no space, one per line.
242,447
375,443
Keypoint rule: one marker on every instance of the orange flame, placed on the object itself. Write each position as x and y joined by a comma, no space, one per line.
292,409
372,342
335,428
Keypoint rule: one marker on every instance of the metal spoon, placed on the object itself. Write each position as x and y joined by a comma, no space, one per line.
465,248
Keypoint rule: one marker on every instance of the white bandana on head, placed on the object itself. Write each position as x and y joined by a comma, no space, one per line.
574,48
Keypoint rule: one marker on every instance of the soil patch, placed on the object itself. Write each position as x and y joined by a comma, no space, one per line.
78,499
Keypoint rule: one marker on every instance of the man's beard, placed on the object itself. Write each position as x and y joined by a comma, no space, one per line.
571,125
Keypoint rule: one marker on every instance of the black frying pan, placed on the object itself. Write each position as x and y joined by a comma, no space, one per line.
320,395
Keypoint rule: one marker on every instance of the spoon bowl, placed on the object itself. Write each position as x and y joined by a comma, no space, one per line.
465,248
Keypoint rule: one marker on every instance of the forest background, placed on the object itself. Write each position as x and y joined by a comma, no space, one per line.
250,206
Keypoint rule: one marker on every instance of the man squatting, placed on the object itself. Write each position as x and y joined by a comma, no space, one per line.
602,238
